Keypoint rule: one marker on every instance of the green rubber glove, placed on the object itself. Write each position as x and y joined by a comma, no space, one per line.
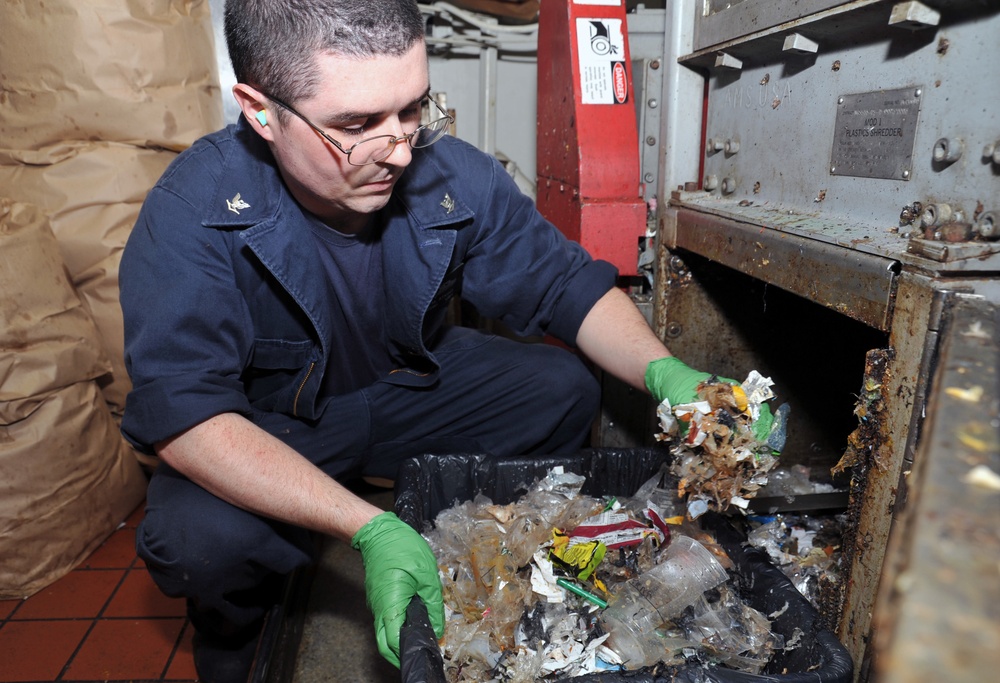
670,378
398,565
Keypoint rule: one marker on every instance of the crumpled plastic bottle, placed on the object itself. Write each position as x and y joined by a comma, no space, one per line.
646,602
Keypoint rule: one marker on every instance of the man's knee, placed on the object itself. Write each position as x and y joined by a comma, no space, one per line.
195,544
187,554
566,398
564,379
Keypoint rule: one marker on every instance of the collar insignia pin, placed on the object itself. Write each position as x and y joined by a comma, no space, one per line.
448,203
236,203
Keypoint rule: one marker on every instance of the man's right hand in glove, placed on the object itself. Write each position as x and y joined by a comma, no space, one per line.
398,565
670,378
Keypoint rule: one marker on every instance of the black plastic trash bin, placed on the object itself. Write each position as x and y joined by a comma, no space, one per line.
429,484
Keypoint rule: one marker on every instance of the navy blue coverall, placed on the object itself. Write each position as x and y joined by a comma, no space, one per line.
223,298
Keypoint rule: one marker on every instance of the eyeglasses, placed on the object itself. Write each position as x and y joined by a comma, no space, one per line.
374,149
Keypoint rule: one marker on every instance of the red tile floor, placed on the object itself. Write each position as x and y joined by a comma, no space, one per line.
104,621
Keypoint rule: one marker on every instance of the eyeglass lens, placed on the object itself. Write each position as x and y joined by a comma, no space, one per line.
378,148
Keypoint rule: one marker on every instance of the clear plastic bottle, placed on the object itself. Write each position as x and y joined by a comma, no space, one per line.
635,614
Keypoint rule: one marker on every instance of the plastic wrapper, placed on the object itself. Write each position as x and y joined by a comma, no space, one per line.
428,485
719,461
805,547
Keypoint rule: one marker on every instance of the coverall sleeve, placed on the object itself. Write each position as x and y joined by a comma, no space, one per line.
521,270
187,330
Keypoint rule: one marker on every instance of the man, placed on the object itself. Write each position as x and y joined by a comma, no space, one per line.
284,292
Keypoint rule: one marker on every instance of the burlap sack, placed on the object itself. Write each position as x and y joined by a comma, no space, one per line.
67,478
137,71
91,192
47,339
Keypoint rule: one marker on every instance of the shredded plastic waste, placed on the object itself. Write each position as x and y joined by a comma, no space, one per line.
719,461
532,588
794,481
807,549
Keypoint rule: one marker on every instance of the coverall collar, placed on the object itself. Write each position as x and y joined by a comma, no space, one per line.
250,189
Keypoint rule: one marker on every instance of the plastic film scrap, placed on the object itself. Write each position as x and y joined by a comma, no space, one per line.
505,571
806,548
719,461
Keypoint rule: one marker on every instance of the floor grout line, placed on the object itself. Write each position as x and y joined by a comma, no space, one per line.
135,564
173,652
93,625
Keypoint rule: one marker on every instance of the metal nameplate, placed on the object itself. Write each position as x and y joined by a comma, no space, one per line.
873,137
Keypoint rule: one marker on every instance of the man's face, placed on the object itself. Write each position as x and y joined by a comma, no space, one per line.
355,99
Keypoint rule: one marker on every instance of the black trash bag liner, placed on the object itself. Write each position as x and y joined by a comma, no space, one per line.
428,484
420,659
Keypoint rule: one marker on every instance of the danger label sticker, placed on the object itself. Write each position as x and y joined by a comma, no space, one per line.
601,50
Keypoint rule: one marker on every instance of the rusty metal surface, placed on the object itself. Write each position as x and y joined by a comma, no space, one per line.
817,224
938,616
882,450
852,282
718,319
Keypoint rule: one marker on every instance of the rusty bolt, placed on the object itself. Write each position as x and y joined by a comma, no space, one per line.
836,65
674,329
690,186
655,64
677,263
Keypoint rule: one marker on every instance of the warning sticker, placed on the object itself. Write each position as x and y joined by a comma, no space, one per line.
601,50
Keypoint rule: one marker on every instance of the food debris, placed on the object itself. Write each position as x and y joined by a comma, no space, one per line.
979,436
717,458
976,331
972,395
983,476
